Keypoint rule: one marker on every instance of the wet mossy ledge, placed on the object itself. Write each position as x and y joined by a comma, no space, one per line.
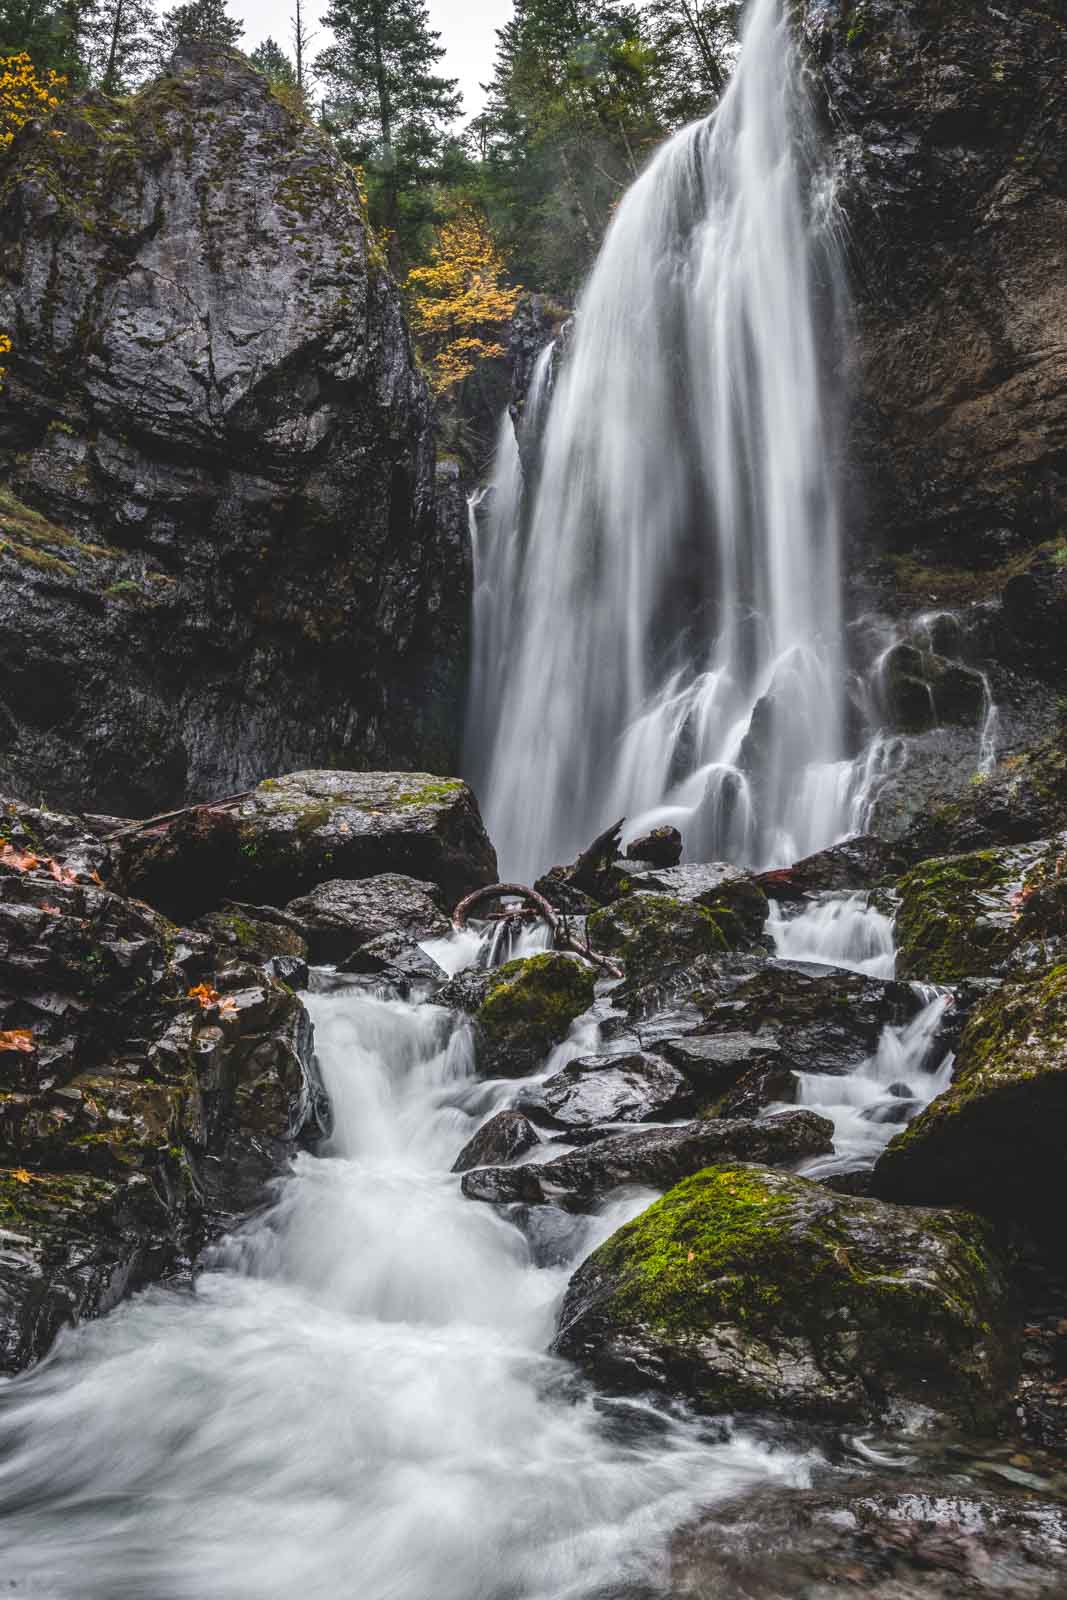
520,1010
996,1138
223,543
745,1289
295,832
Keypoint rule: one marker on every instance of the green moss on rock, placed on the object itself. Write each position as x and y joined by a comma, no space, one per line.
653,931
746,1288
956,917
997,1138
529,1008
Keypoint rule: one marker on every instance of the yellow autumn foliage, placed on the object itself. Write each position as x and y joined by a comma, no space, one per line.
24,95
5,349
459,299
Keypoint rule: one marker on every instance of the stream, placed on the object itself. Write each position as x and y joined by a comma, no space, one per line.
353,1397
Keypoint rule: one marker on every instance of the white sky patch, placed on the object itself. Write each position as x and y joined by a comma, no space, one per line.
467,29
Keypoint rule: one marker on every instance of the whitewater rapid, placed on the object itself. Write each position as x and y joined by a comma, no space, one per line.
354,1398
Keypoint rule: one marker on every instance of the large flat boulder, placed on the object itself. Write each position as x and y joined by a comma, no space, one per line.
632,1087
745,1289
293,833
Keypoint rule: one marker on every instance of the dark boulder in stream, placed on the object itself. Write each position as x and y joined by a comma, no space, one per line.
520,1010
342,914
656,1158
745,1289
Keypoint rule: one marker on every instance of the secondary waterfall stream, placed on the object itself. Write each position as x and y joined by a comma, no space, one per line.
658,621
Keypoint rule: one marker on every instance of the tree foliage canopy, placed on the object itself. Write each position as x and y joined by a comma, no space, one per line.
460,298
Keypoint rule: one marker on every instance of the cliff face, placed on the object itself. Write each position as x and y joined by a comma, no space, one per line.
220,552
949,126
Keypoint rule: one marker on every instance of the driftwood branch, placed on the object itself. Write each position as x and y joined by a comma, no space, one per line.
167,817
536,904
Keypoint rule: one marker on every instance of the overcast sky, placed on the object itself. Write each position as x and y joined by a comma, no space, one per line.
467,29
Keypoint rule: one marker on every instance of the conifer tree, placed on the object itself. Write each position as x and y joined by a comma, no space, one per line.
119,44
385,100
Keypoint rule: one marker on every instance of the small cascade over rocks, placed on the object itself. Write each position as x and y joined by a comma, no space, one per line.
658,618
904,1073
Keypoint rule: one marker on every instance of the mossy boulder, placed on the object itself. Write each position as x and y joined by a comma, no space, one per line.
655,932
745,1289
522,1009
296,832
997,1138
965,916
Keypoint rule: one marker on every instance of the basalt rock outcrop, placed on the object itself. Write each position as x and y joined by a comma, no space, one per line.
222,550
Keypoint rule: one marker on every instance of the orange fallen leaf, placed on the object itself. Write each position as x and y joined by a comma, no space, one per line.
228,1007
21,860
691,1256
62,874
20,1175
204,993
97,879
20,1039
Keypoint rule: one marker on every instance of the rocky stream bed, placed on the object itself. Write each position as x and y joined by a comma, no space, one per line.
788,1168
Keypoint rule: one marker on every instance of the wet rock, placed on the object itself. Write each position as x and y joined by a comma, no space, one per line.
746,1289
522,1009
824,1019
73,842
1022,800
342,914
398,960
256,933
997,1138
292,833
505,1137
657,1158
862,862
136,1119
733,897
892,1536
983,914
222,549
662,847
655,933
715,1063
620,1088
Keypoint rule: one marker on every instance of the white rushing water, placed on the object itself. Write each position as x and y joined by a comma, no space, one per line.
658,627
906,1071
355,1400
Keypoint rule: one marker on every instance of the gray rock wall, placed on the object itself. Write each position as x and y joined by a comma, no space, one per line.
220,553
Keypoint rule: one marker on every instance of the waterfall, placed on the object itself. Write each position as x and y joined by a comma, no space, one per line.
658,630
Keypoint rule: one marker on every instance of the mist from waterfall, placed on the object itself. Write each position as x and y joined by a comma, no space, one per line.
658,627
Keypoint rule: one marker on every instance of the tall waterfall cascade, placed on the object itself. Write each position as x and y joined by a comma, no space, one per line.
658,617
